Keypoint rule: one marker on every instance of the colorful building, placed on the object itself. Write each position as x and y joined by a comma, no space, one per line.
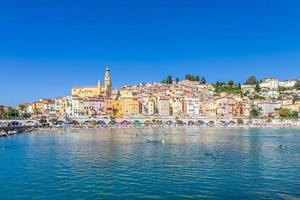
94,91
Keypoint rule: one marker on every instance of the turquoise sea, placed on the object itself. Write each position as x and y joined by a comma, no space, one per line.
189,163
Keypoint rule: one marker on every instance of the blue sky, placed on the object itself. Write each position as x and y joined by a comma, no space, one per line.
46,47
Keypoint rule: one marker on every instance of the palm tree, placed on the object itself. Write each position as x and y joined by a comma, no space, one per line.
112,119
36,112
2,113
255,113
240,121
53,120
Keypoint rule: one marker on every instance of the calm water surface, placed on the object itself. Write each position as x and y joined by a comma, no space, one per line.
135,164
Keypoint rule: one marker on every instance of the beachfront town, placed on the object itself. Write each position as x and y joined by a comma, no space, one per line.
189,100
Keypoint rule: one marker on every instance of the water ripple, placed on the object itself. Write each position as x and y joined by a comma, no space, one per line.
113,164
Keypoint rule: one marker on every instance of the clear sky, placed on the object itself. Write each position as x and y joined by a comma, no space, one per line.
46,47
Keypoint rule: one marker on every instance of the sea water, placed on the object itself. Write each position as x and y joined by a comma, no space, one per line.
187,163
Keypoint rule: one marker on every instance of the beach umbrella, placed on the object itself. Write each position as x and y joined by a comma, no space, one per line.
180,122
191,122
112,122
101,122
157,122
60,123
125,122
169,122
88,123
200,122
74,122
148,122
137,122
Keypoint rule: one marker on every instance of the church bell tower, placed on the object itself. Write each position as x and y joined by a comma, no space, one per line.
107,82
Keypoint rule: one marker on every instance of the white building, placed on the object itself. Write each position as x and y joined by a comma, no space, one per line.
271,93
176,104
287,84
49,109
270,83
76,107
268,107
148,105
63,106
144,104
163,107
192,106
248,88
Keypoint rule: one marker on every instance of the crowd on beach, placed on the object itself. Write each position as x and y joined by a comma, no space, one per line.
14,127
210,124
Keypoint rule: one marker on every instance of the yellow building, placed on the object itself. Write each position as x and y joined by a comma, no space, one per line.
94,91
293,107
151,107
63,105
37,108
108,107
176,104
41,106
130,106
126,93
117,108
211,108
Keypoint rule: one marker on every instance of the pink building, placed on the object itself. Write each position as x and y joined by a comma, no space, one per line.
225,105
94,106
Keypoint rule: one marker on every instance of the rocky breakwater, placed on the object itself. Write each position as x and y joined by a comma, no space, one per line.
7,131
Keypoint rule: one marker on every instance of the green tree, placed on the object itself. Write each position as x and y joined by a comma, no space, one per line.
93,122
281,89
2,112
251,80
192,78
257,88
296,98
188,77
202,80
284,113
11,113
254,113
177,80
239,86
112,119
230,87
297,85
294,115
169,80
53,120
22,112
231,83
240,121
36,112
43,120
